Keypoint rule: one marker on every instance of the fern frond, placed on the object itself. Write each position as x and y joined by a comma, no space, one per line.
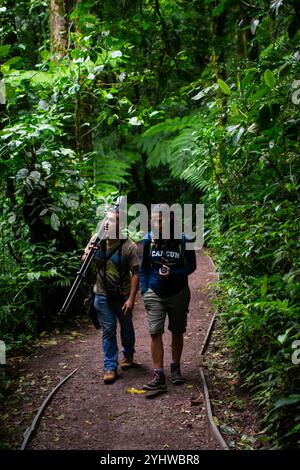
180,143
111,163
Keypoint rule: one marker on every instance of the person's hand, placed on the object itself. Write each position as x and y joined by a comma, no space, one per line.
164,271
87,250
128,306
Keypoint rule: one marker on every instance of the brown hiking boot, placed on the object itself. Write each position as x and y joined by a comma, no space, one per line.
126,363
109,376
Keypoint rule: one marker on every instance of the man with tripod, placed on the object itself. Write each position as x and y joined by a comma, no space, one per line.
115,291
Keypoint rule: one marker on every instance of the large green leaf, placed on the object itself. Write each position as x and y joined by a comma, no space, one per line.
290,400
4,50
224,87
55,222
269,78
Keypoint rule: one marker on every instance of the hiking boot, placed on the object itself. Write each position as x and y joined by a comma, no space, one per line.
157,383
176,376
109,376
126,362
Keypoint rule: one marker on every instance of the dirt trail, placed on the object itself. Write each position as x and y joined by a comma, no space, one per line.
86,414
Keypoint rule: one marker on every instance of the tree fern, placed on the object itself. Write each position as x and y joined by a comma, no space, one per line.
180,143
111,162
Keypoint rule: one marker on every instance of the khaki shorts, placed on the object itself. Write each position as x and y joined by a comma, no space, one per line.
175,306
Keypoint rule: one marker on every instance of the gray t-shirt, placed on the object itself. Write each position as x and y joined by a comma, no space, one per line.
117,275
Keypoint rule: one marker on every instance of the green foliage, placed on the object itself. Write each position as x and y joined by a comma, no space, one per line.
196,101
30,289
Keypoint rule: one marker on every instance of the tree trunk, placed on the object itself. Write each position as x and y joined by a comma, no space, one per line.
58,28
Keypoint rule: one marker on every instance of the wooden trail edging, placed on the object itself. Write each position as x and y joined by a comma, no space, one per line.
215,430
30,431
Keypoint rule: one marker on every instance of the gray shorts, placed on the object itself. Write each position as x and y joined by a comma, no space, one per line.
175,306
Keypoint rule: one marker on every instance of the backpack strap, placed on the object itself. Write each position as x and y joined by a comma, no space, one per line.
104,267
149,246
106,259
121,275
182,248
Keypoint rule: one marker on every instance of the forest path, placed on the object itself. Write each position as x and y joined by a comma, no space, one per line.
86,414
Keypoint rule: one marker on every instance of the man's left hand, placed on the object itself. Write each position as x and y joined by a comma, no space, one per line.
128,306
